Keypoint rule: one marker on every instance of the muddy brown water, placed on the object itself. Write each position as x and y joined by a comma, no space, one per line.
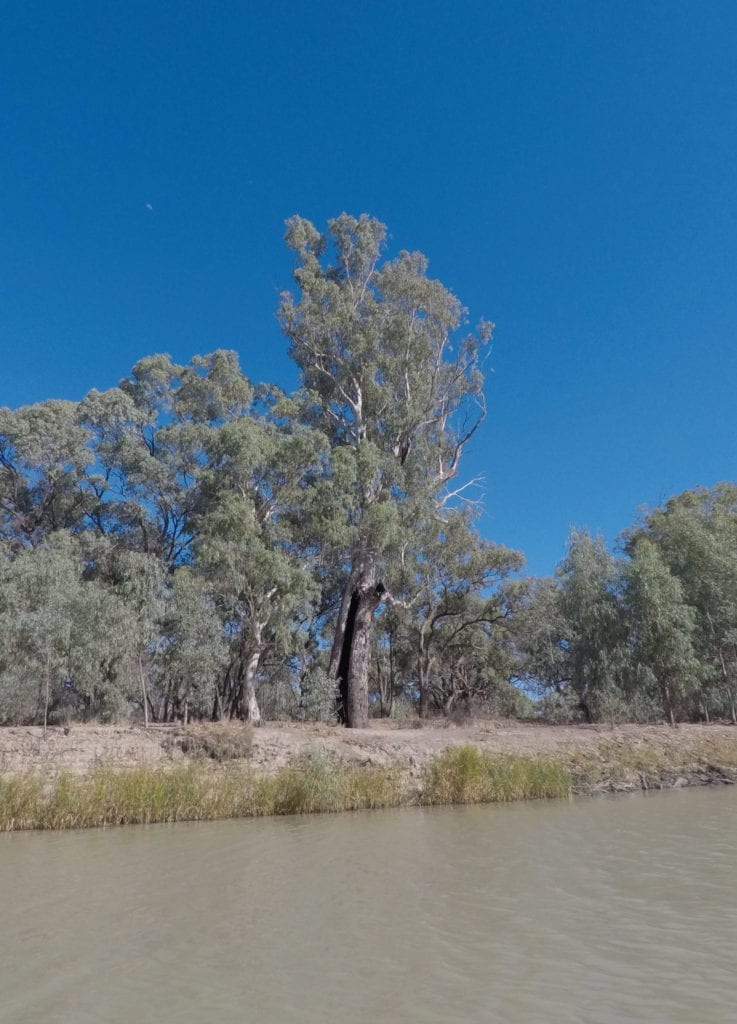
599,911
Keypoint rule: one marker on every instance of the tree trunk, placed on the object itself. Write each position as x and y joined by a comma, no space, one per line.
424,681
667,703
382,688
351,656
337,648
356,696
144,694
390,711
423,673
424,700
253,712
47,695
728,686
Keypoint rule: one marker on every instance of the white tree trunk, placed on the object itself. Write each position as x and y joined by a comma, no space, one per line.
144,692
253,712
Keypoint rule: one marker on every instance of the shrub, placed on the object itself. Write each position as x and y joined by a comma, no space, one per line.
557,709
219,741
319,691
404,713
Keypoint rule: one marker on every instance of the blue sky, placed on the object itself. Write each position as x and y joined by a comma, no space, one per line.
569,168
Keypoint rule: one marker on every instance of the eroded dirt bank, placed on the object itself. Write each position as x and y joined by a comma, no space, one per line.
600,758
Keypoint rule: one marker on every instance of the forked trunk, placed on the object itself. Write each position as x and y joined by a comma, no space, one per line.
351,656
336,651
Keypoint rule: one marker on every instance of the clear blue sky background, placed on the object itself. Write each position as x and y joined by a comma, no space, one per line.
569,168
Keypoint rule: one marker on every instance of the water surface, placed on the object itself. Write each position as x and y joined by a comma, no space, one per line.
599,911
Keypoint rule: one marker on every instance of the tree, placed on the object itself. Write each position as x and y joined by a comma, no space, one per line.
150,437
696,536
64,637
540,636
195,648
570,633
43,472
596,633
453,601
662,627
383,381
251,548
141,582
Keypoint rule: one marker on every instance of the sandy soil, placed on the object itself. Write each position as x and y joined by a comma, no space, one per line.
81,747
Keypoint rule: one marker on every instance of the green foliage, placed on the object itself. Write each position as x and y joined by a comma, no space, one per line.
597,633
608,638
451,631
195,651
44,461
662,626
64,640
559,708
318,695
695,534
384,382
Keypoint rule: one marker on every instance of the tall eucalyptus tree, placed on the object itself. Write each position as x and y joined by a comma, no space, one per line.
396,394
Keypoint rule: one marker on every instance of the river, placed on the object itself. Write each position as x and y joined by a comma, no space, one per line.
599,911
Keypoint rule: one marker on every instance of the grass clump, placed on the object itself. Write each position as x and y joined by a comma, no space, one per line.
110,796
321,783
21,801
467,775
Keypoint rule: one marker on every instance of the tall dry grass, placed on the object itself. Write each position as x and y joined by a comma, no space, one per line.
316,783
191,792
467,775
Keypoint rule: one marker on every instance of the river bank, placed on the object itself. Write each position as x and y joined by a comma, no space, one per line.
97,775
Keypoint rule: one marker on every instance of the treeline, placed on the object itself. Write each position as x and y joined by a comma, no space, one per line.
649,633
192,545
177,547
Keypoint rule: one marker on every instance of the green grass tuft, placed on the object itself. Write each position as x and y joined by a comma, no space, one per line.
467,775
21,801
